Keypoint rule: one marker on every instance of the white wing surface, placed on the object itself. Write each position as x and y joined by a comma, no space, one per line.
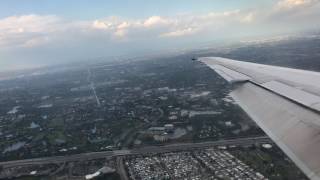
284,102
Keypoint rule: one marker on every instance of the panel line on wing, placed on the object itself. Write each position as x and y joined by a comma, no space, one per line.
230,75
297,95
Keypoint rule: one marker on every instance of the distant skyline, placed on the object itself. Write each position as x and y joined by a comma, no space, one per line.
42,32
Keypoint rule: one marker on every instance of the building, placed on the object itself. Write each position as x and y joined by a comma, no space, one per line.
169,128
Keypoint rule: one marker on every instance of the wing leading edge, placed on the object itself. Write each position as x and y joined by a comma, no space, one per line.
284,102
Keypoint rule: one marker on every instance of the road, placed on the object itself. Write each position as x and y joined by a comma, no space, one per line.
92,86
121,168
137,151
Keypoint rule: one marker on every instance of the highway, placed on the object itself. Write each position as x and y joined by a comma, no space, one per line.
137,151
92,86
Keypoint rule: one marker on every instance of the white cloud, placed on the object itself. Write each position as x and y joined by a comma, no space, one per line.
34,30
293,15
288,4
180,32
27,30
248,18
28,23
100,25
58,35
123,25
155,21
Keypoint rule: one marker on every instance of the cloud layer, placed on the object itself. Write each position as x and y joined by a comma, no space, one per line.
39,36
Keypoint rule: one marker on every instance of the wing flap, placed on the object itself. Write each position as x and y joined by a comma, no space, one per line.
284,122
297,95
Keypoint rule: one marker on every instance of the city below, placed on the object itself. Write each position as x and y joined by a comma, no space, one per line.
206,160
163,117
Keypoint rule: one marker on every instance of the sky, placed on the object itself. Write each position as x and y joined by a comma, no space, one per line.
44,32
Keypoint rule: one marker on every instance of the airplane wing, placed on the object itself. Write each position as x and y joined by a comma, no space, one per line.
284,102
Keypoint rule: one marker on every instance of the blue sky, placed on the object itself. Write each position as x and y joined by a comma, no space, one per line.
46,32
88,9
